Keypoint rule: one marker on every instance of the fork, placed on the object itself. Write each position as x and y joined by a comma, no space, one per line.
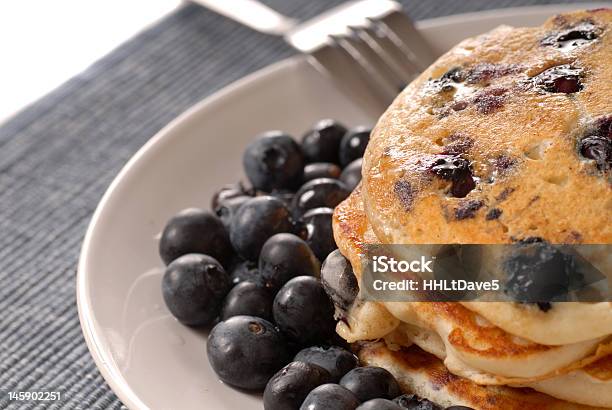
369,48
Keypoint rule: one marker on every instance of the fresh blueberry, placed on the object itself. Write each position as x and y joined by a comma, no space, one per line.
194,231
230,191
339,281
226,209
273,161
244,271
288,388
370,383
330,396
353,144
248,298
284,195
285,256
322,143
414,402
336,360
321,170
318,193
379,404
257,220
539,272
303,311
351,174
193,288
317,223
246,351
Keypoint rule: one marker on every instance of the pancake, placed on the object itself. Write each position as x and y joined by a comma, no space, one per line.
594,376
484,346
469,345
425,375
563,324
366,321
466,334
591,384
505,139
519,144
488,146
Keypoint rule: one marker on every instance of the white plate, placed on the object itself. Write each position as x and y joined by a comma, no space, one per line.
148,358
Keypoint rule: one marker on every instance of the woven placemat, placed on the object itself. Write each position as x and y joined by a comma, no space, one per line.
58,156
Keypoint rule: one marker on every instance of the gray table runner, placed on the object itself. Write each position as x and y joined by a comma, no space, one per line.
58,156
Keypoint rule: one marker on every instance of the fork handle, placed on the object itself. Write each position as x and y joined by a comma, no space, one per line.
252,14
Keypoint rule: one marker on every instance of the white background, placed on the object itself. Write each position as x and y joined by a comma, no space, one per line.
45,42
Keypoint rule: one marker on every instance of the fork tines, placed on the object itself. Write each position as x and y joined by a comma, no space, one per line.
377,47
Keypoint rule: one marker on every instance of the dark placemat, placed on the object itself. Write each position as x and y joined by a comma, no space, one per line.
58,156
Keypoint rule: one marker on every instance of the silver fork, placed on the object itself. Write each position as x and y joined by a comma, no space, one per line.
370,48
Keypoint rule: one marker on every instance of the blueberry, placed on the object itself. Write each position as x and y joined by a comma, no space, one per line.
414,402
322,143
457,170
288,388
559,79
194,231
273,161
539,272
598,149
353,144
379,404
455,74
336,360
585,30
544,306
193,288
318,229
370,383
245,271
229,191
330,396
351,174
320,192
257,220
467,209
285,256
284,195
339,281
246,351
572,37
321,170
248,298
303,311
226,209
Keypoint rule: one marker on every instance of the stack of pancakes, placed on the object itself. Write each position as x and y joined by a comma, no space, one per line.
501,140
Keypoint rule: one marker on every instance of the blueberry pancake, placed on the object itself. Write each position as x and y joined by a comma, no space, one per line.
469,346
504,138
425,375
507,138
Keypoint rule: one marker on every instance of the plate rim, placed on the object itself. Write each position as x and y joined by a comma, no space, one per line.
105,364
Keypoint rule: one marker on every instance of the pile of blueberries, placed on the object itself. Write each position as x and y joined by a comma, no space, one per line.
252,268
